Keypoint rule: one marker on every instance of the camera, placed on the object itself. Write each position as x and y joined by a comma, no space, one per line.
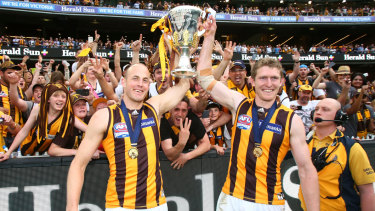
83,92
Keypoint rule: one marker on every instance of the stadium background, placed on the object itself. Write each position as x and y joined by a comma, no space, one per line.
22,179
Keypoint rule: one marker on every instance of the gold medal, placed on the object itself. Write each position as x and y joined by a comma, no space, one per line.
133,153
257,151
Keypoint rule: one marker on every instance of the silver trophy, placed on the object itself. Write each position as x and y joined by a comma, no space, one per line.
185,36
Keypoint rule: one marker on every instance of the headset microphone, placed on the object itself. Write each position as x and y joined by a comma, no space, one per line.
326,120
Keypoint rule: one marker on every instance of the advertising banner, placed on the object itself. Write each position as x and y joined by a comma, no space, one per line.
33,184
127,55
73,9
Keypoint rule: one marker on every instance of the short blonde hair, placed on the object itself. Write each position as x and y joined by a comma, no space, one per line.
269,62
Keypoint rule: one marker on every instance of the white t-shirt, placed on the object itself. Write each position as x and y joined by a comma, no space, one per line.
305,112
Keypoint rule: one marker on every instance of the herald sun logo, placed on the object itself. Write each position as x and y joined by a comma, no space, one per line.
244,122
120,130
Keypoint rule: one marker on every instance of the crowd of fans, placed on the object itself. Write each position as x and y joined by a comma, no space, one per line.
49,96
72,43
290,10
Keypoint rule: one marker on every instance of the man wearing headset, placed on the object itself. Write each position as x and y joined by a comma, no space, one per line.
342,164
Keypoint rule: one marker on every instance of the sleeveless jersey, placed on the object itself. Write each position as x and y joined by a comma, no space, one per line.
133,183
258,179
216,136
31,145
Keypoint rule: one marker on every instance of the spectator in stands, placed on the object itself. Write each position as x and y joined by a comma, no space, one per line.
340,88
68,146
160,85
8,71
22,104
100,103
303,106
34,136
216,135
238,81
181,130
361,115
358,80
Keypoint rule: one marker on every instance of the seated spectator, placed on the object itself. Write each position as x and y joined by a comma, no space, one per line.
182,130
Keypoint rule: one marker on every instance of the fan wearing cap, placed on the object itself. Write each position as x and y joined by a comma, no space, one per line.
216,135
9,70
53,117
340,89
303,106
299,77
237,80
99,103
361,116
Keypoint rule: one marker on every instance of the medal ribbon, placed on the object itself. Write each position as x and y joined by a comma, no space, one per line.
258,132
137,127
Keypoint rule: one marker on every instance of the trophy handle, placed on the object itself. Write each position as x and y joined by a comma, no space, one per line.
204,15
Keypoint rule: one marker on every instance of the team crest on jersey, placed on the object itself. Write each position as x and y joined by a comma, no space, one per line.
148,122
3,94
244,122
120,130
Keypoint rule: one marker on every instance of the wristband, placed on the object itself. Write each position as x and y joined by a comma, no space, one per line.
109,70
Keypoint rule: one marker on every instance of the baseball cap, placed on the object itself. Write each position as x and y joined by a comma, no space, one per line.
239,63
37,85
98,100
9,65
305,87
303,66
77,97
212,104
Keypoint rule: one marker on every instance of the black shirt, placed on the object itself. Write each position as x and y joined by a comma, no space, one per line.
197,130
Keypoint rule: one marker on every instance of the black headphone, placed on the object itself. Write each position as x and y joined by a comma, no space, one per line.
340,117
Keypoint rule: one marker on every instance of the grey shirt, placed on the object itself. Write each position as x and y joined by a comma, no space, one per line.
333,90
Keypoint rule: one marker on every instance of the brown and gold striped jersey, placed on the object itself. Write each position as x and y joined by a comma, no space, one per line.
133,183
258,179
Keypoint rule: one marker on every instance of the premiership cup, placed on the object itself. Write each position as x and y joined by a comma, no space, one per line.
185,36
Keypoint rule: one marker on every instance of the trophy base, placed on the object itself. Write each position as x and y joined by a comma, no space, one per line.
184,73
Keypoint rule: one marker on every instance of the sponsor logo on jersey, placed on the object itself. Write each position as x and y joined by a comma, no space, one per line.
244,122
120,130
148,122
273,127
